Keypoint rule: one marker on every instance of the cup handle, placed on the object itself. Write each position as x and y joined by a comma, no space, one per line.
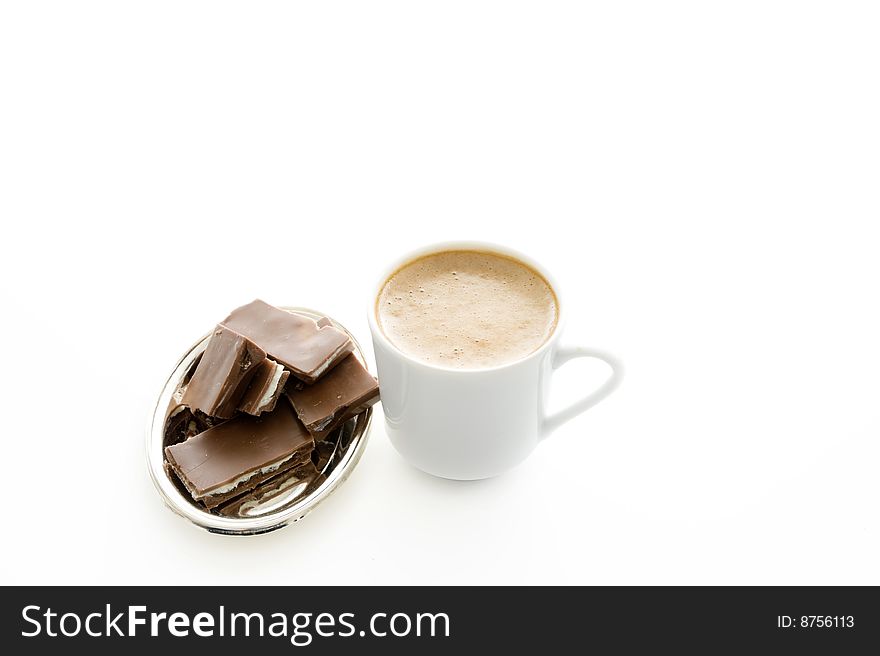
565,353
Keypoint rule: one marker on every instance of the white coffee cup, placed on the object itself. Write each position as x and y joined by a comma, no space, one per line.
475,423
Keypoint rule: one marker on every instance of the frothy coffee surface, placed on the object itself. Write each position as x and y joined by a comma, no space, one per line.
467,309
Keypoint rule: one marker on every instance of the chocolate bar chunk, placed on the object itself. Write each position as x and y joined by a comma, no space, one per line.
284,488
344,392
223,374
323,321
183,423
236,456
265,388
297,342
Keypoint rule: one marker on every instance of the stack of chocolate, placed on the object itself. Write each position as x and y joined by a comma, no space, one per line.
262,411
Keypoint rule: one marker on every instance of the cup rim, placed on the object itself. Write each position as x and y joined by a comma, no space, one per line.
464,245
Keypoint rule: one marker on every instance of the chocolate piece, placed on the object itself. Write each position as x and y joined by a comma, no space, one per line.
224,372
327,435
188,376
265,388
296,383
295,341
346,391
183,423
284,488
236,456
176,425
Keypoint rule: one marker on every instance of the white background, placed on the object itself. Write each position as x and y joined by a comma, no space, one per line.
702,178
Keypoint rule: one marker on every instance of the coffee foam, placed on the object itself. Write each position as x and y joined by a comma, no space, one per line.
467,309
